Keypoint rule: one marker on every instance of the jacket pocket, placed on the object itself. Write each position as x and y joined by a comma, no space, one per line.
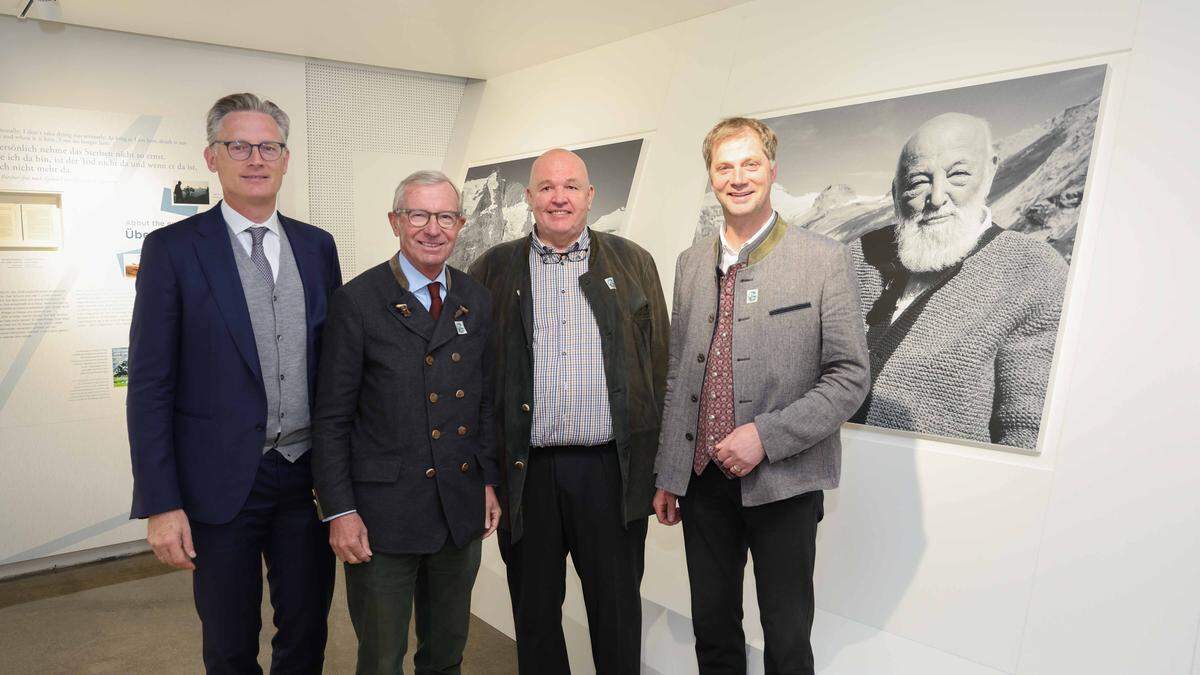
375,469
789,308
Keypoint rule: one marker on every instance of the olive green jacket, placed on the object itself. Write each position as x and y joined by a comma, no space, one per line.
634,331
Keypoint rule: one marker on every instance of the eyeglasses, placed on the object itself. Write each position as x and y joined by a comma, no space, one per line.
240,150
447,220
555,258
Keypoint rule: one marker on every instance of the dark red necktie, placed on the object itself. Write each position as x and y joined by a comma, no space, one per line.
435,299
716,402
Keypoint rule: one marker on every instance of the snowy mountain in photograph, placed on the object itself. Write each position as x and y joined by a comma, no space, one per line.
496,211
1038,188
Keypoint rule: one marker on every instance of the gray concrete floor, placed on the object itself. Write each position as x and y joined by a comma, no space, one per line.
134,615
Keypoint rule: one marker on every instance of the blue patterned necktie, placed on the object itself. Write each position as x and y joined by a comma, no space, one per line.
258,257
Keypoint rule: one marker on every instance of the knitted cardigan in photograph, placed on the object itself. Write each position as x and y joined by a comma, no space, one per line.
970,358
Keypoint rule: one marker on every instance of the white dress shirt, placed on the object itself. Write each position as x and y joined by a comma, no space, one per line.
729,256
239,228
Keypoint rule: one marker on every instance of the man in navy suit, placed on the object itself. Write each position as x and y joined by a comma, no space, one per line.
223,353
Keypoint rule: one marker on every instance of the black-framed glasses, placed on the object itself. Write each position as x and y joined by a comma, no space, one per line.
447,220
555,258
240,150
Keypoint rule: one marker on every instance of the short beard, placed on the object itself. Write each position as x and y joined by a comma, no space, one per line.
935,247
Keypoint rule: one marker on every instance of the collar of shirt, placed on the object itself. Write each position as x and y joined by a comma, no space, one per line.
582,242
729,256
985,223
238,223
419,282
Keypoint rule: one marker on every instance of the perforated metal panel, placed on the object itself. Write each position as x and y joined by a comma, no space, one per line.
352,107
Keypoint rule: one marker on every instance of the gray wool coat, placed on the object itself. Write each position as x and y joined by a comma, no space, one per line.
800,363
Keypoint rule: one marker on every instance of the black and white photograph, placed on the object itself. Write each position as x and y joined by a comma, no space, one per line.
961,209
496,210
190,192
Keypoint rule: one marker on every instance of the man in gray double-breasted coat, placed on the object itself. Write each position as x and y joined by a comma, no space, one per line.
768,358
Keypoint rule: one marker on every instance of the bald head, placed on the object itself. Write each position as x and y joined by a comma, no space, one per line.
560,195
556,159
951,130
942,182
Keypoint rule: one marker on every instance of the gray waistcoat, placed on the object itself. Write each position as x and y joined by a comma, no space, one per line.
281,336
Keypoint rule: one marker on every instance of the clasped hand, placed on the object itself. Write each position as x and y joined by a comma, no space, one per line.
348,533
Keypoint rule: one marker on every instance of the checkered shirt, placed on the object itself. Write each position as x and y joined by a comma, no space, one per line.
570,392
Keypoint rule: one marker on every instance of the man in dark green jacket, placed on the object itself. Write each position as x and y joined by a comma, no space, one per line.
581,336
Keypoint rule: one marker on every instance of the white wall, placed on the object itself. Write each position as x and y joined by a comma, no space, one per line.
65,483
936,558
71,67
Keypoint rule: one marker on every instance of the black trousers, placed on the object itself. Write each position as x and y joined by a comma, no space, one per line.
717,531
572,504
279,524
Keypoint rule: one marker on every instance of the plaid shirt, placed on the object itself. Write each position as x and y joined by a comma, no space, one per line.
570,392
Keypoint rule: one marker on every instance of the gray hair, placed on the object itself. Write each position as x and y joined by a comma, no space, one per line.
426,177
244,103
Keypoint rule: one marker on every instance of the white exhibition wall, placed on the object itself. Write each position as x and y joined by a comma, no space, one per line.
65,483
934,557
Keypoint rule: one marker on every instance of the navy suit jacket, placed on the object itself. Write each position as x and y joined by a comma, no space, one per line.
196,406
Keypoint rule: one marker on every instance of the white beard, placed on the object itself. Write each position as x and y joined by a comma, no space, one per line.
934,247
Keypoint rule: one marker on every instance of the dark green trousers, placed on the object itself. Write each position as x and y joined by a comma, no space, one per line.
382,593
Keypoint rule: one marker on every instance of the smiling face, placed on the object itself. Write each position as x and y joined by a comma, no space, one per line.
940,190
741,176
250,184
427,247
560,196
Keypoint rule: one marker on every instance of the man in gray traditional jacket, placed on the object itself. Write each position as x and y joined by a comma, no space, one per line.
962,315
767,360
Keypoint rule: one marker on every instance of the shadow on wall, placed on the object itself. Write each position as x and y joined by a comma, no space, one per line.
869,548
871,542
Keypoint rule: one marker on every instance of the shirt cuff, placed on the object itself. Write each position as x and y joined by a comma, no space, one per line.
343,513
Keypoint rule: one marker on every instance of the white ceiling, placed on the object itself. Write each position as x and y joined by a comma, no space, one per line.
469,38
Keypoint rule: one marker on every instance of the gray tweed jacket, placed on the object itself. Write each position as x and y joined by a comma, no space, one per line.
800,360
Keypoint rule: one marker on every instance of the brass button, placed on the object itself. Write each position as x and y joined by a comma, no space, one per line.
456,357
519,465
429,359
462,431
433,397
689,436
460,393
430,473
436,434
525,407
465,467
699,358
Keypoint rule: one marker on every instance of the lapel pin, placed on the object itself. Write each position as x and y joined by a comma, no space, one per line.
461,311
404,309
612,283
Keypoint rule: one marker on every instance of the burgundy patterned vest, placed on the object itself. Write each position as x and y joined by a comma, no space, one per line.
716,395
